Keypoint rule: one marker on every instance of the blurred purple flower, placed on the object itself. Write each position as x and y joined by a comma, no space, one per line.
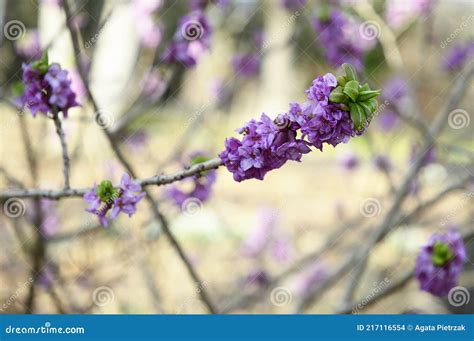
258,238
398,13
309,279
440,262
339,35
51,223
148,31
394,89
202,184
293,5
29,46
246,65
192,38
257,277
457,56
137,139
281,249
348,160
388,120
154,85
48,275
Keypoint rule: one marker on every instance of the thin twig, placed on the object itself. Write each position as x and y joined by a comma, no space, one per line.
62,138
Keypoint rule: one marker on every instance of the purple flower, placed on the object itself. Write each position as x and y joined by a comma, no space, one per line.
148,31
293,5
201,184
311,277
457,56
388,121
257,277
47,91
440,262
51,223
267,144
246,65
29,46
105,197
154,85
348,160
394,89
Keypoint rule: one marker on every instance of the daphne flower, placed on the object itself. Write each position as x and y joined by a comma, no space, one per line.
457,56
440,262
105,197
47,88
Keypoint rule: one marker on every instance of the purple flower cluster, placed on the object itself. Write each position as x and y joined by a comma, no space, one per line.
201,183
105,197
457,56
340,37
191,39
47,89
148,31
440,262
267,144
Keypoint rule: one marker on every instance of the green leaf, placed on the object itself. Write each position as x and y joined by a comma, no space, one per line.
364,87
350,71
337,96
368,94
199,159
373,104
351,89
341,80
17,88
369,112
358,116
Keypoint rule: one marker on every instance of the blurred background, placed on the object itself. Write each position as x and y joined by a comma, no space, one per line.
282,245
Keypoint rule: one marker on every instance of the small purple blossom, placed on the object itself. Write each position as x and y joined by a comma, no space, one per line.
309,279
440,262
47,91
105,197
457,56
148,31
398,13
29,46
388,120
395,89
